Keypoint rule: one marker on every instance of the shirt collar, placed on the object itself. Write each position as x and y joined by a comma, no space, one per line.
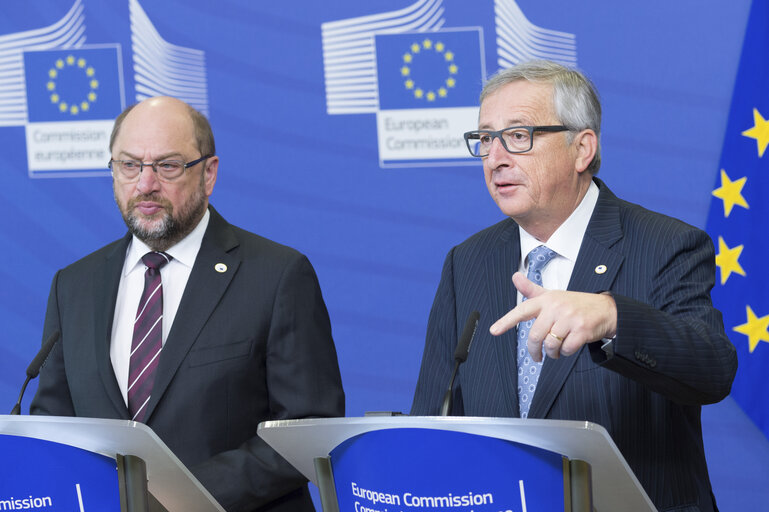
567,239
185,251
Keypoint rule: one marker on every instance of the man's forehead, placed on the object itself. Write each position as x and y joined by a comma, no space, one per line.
519,102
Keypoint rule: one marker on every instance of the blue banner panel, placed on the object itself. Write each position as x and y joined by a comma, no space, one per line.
429,70
38,474
73,84
401,470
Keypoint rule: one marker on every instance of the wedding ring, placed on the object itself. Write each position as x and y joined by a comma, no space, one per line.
560,340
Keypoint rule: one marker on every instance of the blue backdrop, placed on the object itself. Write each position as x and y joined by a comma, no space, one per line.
311,158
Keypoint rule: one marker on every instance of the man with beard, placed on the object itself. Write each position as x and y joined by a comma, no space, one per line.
191,325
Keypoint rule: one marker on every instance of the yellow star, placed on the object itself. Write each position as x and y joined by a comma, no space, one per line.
427,44
90,71
84,106
431,96
405,71
62,107
760,132
755,329
449,56
451,82
59,63
74,109
91,96
409,84
70,60
50,86
407,58
728,260
453,69
419,93
731,193
94,84
439,47
81,62
442,92
54,98
415,48
52,73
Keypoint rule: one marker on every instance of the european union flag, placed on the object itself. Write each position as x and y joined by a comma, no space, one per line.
73,85
429,69
738,218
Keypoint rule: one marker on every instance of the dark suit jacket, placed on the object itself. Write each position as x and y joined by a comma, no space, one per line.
671,353
247,345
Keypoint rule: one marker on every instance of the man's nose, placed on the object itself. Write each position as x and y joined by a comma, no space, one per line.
498,155
148,180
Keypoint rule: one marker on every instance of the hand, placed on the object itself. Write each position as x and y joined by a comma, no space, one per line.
564,320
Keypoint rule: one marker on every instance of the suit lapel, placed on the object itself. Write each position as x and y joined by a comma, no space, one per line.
204,290
502,262
105,295
595,270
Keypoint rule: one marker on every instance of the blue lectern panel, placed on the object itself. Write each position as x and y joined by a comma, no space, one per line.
400,470
38,474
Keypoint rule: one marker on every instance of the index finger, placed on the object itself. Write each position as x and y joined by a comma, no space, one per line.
526,310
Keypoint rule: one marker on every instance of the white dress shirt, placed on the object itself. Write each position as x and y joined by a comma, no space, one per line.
174,276
566,241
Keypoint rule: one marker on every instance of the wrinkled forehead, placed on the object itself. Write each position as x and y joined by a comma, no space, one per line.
518,103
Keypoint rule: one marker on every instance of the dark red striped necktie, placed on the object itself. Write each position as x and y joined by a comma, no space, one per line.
147,338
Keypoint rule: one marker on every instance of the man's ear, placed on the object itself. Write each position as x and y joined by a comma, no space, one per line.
586,145
209,174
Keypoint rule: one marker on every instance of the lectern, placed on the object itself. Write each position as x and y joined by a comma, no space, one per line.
80,463
403,463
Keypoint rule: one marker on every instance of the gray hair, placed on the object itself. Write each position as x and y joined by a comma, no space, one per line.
575,99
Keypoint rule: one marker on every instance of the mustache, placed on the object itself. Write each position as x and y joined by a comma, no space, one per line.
155,198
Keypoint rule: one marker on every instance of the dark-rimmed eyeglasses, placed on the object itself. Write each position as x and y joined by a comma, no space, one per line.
515,139
166,170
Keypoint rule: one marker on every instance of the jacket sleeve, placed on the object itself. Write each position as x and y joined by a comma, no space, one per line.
674,342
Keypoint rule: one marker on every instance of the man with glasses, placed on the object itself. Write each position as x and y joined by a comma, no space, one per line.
189,324
608,315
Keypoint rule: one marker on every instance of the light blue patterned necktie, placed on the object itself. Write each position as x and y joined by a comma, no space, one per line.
528,369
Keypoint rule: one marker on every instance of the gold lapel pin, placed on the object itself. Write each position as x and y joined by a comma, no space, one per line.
600,269
220,267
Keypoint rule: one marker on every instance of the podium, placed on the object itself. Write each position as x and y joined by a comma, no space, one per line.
77,443
308,444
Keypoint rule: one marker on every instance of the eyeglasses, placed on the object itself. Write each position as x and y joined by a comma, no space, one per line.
166,170
515,139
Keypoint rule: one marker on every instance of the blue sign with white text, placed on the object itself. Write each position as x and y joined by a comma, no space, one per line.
38,474
402,470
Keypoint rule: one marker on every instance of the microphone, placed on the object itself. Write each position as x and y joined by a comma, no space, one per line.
34,367
460,356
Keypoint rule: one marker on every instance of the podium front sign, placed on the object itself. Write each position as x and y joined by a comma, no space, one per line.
421,470
43,475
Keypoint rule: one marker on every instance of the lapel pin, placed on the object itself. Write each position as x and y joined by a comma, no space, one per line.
221,268
600,269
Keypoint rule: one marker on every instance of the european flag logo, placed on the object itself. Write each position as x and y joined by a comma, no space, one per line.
73,85
429,69
737,222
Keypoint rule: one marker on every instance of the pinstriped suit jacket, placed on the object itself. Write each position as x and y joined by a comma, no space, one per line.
671,354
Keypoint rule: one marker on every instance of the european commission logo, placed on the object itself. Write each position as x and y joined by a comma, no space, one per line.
72,98
66,94
428,87
421,79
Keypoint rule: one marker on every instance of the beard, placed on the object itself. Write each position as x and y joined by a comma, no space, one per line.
167,227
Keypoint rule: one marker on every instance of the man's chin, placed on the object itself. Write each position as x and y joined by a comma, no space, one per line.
151,227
